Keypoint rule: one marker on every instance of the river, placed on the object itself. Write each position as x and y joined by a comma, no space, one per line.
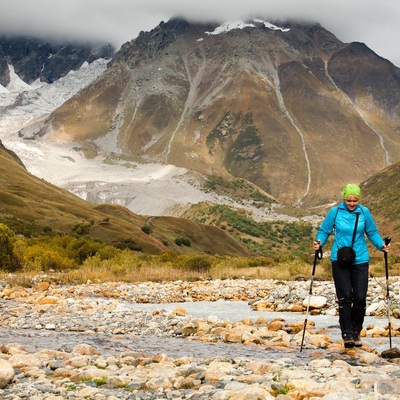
108,344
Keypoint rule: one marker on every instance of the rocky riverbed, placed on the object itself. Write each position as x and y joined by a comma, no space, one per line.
91,342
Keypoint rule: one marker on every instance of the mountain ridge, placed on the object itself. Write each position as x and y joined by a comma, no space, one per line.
276,108
37,59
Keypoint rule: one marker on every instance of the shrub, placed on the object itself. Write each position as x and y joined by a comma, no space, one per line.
83,248
181,241
167,257
7,239
81,228
260,261
108,252
199,264
47,229
43,258
146,229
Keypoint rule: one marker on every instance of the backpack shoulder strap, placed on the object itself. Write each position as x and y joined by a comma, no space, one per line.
355,230
334,221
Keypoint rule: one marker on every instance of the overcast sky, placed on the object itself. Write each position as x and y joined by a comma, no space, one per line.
373,22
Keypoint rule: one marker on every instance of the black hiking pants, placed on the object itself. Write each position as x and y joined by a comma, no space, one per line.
351,284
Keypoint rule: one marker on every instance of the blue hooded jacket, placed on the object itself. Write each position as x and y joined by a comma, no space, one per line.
342,221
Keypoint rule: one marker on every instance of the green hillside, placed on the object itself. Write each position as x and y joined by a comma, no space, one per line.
32,207
381,193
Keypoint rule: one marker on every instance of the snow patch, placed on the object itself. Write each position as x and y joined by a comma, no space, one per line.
239,24
272,26
16,83
230,26
22,104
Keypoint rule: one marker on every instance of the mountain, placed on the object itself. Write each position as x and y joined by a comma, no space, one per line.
32,206
287,107
36,77
107,175
36,59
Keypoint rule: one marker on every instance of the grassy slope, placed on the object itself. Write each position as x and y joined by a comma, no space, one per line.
30,206
381,193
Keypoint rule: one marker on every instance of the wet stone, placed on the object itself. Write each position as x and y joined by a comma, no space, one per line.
83,342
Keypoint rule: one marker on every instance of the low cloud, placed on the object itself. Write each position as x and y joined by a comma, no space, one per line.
369,21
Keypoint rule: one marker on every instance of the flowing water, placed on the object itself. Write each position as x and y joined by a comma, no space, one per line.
239,310
36,340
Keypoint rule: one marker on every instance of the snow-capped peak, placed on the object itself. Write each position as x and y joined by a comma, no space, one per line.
239,24
271,26
229,26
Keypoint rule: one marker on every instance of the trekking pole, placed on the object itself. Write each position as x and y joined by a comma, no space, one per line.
387,241
318,255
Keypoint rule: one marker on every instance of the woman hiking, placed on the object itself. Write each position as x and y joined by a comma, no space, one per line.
351,223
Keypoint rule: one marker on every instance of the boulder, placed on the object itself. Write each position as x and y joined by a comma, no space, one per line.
394,352
315,302
6,373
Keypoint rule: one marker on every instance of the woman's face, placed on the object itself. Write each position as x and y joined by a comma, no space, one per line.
352,202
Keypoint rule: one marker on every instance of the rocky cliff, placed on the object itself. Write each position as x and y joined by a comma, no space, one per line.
39,59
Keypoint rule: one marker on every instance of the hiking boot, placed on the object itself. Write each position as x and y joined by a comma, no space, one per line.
357,340
348,342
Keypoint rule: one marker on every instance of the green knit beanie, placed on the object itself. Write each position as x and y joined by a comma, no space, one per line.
351,190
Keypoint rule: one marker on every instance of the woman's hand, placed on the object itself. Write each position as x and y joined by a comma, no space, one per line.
385,247
316,245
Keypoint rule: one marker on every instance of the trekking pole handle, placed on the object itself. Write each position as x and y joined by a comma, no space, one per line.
387,240
319,253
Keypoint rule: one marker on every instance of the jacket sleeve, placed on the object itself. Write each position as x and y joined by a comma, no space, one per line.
371,230
326,227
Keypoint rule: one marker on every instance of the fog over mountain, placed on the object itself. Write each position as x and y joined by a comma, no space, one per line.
372,22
